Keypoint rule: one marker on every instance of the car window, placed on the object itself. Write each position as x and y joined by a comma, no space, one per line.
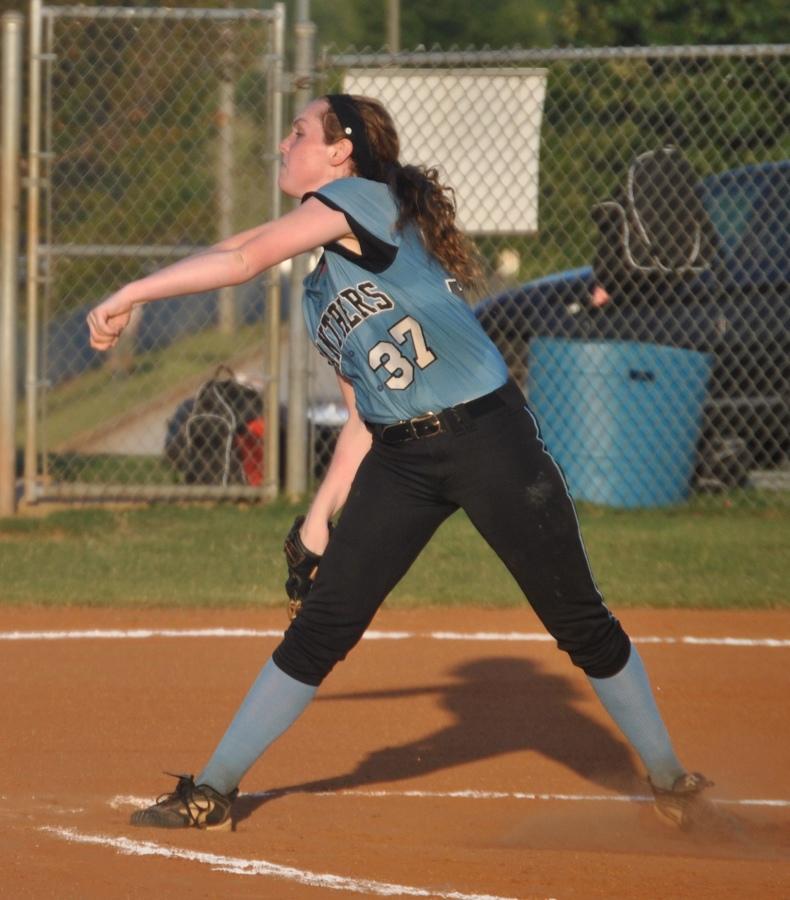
729,204
750,209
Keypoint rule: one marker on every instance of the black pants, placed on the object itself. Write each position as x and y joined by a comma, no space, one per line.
497,470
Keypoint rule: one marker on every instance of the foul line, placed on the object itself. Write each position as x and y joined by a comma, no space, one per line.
124,800
372,635
237,866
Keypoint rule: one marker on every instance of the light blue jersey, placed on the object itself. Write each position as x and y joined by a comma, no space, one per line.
390,321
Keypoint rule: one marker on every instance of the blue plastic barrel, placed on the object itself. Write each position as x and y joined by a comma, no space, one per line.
621,418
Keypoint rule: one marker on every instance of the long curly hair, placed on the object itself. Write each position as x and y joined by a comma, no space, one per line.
422,198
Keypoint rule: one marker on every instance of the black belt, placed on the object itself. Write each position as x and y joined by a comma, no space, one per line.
455,418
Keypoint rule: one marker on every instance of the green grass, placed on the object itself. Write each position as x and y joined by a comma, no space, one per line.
109,469
704,555
88,401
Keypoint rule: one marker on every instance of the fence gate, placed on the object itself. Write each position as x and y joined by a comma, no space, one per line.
153,133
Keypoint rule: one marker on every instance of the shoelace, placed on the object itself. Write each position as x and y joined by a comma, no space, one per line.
189,795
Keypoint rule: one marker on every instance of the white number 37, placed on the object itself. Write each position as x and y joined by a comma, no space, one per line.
389,355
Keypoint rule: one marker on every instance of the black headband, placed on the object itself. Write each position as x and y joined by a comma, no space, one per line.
345,108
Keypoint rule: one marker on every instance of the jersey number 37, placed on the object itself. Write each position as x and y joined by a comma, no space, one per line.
390,356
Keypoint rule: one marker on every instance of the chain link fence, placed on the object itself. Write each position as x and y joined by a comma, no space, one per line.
630,206
632,210
159,131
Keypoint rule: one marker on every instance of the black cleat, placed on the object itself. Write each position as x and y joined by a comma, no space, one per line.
190,805
681,805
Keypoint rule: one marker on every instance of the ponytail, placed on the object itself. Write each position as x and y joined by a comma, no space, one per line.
430,205
422,199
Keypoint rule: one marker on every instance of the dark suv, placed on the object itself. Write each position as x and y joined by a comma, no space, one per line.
737,308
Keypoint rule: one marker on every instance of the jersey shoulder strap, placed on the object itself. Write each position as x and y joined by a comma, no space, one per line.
367,204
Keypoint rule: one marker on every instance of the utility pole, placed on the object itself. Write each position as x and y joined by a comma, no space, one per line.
393,25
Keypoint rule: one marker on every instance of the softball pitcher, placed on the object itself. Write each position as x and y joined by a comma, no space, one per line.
434,426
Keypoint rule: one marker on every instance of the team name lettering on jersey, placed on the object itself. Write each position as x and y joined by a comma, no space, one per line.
344,313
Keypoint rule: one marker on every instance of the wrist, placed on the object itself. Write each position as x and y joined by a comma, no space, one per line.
129,297
315,532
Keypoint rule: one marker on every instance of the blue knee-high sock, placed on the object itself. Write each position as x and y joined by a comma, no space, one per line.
273,703
629,701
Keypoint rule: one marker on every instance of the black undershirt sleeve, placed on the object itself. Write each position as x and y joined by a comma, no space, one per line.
376,256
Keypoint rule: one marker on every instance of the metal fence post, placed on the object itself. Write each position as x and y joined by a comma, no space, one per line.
33,215
9,233
271,456
297,432
227,111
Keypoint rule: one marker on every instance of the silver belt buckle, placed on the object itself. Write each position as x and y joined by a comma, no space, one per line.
431,419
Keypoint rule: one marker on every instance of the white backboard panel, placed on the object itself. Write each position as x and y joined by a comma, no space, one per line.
480,128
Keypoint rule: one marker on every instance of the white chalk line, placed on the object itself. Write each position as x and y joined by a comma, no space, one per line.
239,866
129,800
372,635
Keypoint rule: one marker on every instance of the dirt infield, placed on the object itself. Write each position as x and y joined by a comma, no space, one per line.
466,765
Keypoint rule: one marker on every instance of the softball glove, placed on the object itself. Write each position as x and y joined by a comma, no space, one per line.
302,568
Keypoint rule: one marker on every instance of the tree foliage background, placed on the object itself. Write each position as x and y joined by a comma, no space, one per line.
528,23
544,23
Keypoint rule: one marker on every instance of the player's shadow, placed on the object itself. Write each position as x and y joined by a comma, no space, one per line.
499,706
